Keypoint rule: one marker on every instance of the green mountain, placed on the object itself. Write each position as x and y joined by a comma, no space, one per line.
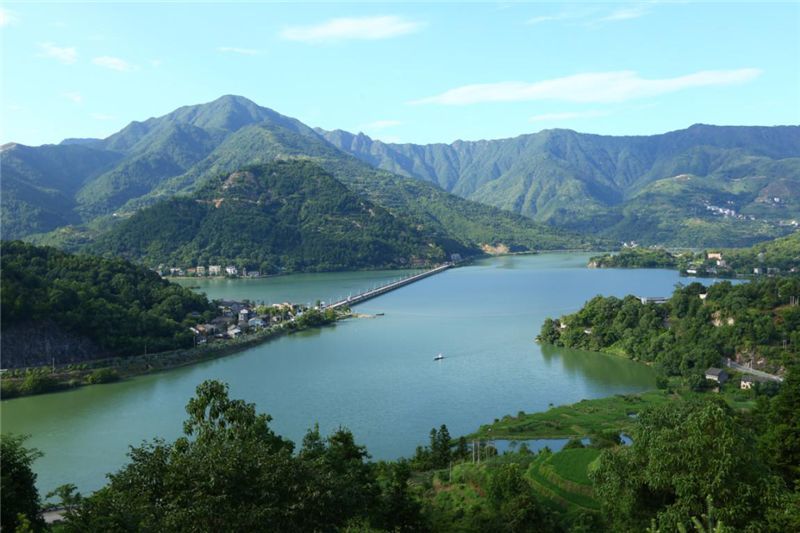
286,215
181,152
39,185
668,189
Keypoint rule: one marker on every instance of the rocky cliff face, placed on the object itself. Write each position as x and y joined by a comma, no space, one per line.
42,343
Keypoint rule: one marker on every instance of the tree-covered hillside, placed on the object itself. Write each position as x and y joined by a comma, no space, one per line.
756,322
39,185
64,307
287,215
653,189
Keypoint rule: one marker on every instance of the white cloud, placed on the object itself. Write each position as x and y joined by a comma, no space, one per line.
102,116
617,86
568,115
363,28
155,63
380,125
75,97
7,18
625,13
113,63
240,51
592,16
549,18
67,55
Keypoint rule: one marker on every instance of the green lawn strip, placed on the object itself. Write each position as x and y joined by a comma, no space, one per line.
550,490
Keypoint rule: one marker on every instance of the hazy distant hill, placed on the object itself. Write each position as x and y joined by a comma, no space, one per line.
178,153
649,188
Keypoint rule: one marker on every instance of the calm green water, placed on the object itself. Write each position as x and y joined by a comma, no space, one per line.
376,376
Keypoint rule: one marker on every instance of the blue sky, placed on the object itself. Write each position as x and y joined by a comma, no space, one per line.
417,72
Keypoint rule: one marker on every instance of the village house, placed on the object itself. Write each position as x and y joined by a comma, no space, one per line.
214,270
221,323
653,299
233,305
714,255
748,381
244,315
208,329
717,374
256,323
201,271
231,270
234,332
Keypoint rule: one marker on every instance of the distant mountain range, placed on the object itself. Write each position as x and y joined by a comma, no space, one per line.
705,185
71,195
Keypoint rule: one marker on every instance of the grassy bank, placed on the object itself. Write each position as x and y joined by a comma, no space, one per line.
614,413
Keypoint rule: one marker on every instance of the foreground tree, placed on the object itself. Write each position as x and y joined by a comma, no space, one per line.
19,499
231,472
686,458
780,423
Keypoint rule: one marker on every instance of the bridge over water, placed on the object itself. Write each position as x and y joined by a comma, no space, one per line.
383,289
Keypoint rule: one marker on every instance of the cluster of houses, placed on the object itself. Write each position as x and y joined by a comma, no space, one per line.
715,264
237,318
746,382
202,271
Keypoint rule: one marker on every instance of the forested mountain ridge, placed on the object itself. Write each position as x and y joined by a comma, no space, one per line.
669,188
287,215
180,152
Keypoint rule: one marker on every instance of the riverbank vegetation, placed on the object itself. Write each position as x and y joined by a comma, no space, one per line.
40,380
779,256
71,320
756,323
693,460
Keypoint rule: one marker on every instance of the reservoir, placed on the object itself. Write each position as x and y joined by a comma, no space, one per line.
375,376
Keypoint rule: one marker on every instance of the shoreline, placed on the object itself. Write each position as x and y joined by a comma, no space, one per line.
139,365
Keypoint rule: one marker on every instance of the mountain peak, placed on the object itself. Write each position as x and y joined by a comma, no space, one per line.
232,99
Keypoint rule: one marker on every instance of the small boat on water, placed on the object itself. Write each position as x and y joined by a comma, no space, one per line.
439,357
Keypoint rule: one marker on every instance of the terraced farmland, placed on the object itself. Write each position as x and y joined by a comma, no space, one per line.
563,477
